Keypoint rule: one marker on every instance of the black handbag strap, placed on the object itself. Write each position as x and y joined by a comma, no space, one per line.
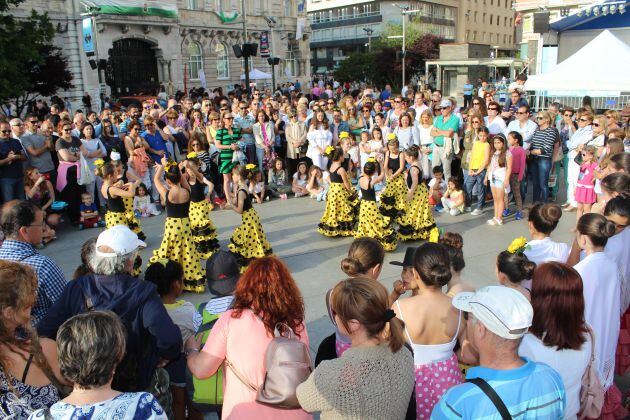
494,397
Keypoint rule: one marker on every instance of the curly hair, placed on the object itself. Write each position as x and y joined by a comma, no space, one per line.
268,289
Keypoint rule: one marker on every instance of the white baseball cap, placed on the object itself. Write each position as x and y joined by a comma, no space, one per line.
120,239
502,310
114,155
446,103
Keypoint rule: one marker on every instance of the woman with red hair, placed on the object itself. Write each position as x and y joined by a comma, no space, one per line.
558,335
265,295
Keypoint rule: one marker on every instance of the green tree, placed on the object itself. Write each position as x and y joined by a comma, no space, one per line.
30,63
358,66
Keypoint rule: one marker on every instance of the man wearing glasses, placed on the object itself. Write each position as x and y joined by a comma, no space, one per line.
338,126
11,169
134,115
444,128
38,147
244,120
514,102
523,125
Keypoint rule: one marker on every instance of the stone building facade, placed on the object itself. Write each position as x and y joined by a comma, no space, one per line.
142,44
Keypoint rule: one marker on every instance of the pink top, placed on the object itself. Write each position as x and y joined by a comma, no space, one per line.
518,161
587,174
244,342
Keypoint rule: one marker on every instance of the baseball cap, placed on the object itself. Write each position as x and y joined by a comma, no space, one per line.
222,273
120,239
502,310
408,260
446,103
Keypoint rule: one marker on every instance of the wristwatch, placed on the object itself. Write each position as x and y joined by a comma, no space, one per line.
190,350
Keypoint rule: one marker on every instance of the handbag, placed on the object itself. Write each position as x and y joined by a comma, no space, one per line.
494,397
287,365
592,391
86,176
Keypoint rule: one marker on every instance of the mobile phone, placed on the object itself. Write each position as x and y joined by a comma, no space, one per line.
177,108
46,177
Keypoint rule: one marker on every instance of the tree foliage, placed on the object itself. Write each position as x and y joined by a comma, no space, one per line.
384,66
31,65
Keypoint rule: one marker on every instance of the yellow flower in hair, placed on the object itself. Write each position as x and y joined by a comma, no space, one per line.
162,261
330,149
99,162
191,155
169,165
391,136
371,160
518,245
250,166
344,135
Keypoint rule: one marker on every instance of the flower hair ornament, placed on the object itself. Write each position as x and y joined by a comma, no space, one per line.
518,245
251,167
371,160
391,136
99,163
344,135
170,164
331,149
191,155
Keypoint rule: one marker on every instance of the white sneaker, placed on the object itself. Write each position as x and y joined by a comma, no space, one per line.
476,212
298,195
499,221
467,209
491,222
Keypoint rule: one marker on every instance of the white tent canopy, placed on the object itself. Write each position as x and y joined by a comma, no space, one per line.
601,65
256,74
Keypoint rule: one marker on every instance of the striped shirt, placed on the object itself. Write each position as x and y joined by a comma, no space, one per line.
544,140
224,137
532,391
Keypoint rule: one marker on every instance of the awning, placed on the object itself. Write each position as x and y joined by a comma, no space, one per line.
166,9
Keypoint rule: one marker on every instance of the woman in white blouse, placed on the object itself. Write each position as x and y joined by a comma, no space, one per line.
406,132
602,289
319,138
263,131
494,121
558,336
426,142
577,140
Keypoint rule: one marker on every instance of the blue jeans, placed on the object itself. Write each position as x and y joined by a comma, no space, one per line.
475,186
467,197
540,174
12,188
260,154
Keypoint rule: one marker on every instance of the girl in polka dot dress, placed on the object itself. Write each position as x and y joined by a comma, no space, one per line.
393,196
248,240
177,243
417,221
202,228
432,327
372,224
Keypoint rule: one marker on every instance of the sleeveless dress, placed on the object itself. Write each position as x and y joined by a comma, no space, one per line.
372,223
132,220
436,370
249,240
393,197
18,400
225,155
202,228
340,215
178,245
417,221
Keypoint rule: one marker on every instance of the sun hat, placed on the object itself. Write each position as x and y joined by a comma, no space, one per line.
502,310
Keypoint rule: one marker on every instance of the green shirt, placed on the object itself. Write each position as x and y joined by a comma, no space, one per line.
439,123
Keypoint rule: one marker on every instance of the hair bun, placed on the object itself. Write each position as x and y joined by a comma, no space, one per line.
551,212
528,267
608,229
351,266
452,239
440,274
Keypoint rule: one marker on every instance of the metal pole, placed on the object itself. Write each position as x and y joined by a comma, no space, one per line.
370,41
245,57
403,48
273,57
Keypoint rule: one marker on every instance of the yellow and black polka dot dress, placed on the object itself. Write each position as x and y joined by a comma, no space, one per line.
116,215
340,215
203,230
394,196
132,220
249,240
372,223
178,245
417,221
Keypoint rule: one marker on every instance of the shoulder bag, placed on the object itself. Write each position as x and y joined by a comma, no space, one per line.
494,397
592,391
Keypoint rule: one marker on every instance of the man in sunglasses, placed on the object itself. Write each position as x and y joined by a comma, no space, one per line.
244,120
338,126
523,125
445,126
514,102
11,169
134,115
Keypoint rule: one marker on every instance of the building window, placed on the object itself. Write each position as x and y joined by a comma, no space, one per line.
483,19
474,35
490,19
195,61
467,35
290,63
193,4
288,8
223,61
475,16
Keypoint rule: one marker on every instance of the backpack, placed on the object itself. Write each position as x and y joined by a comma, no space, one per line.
287,365
207,391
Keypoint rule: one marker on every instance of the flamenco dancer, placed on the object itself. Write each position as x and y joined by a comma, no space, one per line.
177,243
417,221
394,195
248,240
124,176
372,224
339,217
203,230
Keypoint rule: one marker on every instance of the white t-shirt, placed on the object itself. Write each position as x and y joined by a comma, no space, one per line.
570,364
545,250
443,185
301,182
618,249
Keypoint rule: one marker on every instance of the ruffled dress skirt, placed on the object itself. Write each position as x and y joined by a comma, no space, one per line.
340,215
203,230
249,240
417,221
178,245
393,198
372,224
132,220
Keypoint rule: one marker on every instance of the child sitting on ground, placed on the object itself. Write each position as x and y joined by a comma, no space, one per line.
300,180
257,188
142,205
316,185
89,213
437,188
278,182
454,198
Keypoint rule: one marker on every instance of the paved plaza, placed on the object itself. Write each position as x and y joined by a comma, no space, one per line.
314,259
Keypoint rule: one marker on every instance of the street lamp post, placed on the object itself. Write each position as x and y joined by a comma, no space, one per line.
271,21
404,11
245,57
369,32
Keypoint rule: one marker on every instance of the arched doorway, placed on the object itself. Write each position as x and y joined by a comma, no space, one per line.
132,68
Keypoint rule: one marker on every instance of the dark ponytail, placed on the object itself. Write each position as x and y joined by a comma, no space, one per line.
164,273
516,267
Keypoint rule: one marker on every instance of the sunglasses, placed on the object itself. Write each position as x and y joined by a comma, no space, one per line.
397,102
476,103
34,122
5,131
521,113
242,109
476,122
584,119
493,109
595,124
149,125
228,118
